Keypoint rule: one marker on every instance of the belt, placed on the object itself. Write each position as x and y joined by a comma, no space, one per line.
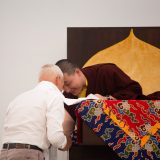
20,146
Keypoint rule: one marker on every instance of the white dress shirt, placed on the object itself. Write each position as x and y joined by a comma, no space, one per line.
35,117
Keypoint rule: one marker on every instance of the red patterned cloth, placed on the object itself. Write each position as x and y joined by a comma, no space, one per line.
137,118
130,127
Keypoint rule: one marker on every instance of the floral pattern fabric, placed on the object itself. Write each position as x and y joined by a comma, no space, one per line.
130,127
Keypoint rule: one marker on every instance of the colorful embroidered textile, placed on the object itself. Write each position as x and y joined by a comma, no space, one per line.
130,127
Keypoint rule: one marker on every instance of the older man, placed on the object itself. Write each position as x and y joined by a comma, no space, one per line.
34,119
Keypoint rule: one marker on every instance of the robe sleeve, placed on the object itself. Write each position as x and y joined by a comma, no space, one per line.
118,84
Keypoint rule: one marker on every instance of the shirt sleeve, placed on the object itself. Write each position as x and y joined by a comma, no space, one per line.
55,117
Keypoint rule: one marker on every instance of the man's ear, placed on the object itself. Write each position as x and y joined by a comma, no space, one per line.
57,80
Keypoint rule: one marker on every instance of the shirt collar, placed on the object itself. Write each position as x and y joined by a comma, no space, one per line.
47,84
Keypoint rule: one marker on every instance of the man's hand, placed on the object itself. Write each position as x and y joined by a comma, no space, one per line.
100,96
68,145
105,98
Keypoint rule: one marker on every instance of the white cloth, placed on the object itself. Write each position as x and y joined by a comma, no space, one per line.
35,117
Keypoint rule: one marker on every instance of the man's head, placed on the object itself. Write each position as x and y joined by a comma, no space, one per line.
74,79
52,73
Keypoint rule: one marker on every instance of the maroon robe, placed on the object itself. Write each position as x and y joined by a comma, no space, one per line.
108,79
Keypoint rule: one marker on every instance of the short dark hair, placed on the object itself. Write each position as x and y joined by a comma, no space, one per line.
67,66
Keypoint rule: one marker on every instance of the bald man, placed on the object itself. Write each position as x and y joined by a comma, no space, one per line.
34,119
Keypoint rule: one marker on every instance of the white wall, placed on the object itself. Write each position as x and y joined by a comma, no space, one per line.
33,32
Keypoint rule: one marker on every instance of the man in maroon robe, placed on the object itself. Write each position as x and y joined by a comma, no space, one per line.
103,79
